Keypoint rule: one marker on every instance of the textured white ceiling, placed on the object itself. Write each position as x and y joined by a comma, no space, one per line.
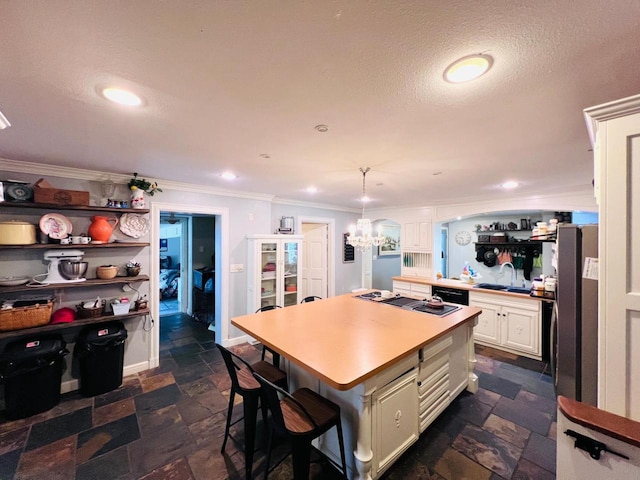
226,81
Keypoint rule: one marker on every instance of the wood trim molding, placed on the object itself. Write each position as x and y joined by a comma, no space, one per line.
607,423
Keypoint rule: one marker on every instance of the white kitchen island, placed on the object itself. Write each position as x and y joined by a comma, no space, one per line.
391,370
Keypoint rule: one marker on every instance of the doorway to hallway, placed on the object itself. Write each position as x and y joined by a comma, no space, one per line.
318,247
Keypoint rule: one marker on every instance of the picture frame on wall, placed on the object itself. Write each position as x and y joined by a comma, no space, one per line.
164,244
391,243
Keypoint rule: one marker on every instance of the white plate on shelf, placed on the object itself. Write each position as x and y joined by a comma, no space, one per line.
55,225
13,281
134,225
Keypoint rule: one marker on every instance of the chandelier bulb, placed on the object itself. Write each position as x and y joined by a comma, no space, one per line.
360,235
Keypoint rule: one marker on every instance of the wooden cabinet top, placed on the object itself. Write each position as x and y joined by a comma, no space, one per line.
85,208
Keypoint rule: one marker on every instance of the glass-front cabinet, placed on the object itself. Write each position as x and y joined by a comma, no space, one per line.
273,272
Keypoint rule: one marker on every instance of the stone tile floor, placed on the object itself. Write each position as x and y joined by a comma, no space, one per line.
168,423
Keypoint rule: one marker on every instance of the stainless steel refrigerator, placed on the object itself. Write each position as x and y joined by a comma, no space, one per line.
574,335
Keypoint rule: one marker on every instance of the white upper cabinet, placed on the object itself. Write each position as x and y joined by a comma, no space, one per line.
416,236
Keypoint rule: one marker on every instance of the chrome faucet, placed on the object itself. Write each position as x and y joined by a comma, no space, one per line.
513,271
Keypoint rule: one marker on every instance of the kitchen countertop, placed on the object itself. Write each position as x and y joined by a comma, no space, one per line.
345,340
447,282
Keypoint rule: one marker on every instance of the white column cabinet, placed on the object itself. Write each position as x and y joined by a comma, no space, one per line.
273,271
416,245
510,324
615,132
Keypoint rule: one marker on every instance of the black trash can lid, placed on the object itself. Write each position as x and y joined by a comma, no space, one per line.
103,333
33,347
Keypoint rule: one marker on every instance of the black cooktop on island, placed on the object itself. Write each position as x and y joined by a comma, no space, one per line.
409,303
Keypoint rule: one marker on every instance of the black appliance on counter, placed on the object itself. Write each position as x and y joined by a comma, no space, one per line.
451,295
409,303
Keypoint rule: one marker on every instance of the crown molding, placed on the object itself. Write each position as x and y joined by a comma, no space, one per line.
593,116
324,206
31,168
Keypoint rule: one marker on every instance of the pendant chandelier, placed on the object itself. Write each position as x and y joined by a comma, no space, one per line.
360,235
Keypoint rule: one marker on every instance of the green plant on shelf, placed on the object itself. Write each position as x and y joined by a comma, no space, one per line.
143,184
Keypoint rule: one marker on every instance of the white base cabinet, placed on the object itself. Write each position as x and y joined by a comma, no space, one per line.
508,324
383,416
394,419
410,288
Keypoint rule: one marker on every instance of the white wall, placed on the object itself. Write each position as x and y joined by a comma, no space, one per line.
384,267
458,255
347,275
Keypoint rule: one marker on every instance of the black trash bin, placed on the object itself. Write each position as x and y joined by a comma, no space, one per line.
31,370
100,353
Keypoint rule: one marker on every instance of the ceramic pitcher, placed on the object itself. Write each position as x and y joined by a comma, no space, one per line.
101,228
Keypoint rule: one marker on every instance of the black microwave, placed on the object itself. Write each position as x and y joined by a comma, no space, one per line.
201,277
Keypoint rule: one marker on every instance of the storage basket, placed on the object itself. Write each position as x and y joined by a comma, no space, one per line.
92,312
120,308
25,317
484,238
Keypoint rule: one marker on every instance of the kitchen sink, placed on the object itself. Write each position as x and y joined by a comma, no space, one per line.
492,286
506,288
519,290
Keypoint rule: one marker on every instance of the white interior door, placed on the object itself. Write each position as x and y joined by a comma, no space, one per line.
315,260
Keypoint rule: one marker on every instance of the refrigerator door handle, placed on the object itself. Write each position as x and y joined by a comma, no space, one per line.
553,347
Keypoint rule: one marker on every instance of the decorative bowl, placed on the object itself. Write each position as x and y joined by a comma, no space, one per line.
73,270
133,271
106,272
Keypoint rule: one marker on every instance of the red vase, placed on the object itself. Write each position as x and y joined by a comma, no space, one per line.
101,228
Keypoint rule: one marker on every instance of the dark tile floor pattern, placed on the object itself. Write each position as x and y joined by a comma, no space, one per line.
168,423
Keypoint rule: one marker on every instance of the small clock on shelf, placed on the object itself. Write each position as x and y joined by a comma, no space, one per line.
463,238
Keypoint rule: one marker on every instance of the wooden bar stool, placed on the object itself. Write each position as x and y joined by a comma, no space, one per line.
274,355
244,384
311,298
302,416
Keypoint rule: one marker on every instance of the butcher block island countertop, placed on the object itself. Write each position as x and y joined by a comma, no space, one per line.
345,340
391,370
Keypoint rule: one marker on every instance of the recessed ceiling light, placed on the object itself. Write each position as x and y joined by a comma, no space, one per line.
435,174
311,189
509,185
122,97
228,175
265,155
4,123
321,128
468,68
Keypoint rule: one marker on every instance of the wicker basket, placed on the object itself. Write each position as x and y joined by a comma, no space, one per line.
92,312
25,317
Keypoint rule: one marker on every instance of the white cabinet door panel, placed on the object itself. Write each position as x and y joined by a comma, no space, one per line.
395,411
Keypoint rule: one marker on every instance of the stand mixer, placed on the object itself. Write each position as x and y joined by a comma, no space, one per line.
54,257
